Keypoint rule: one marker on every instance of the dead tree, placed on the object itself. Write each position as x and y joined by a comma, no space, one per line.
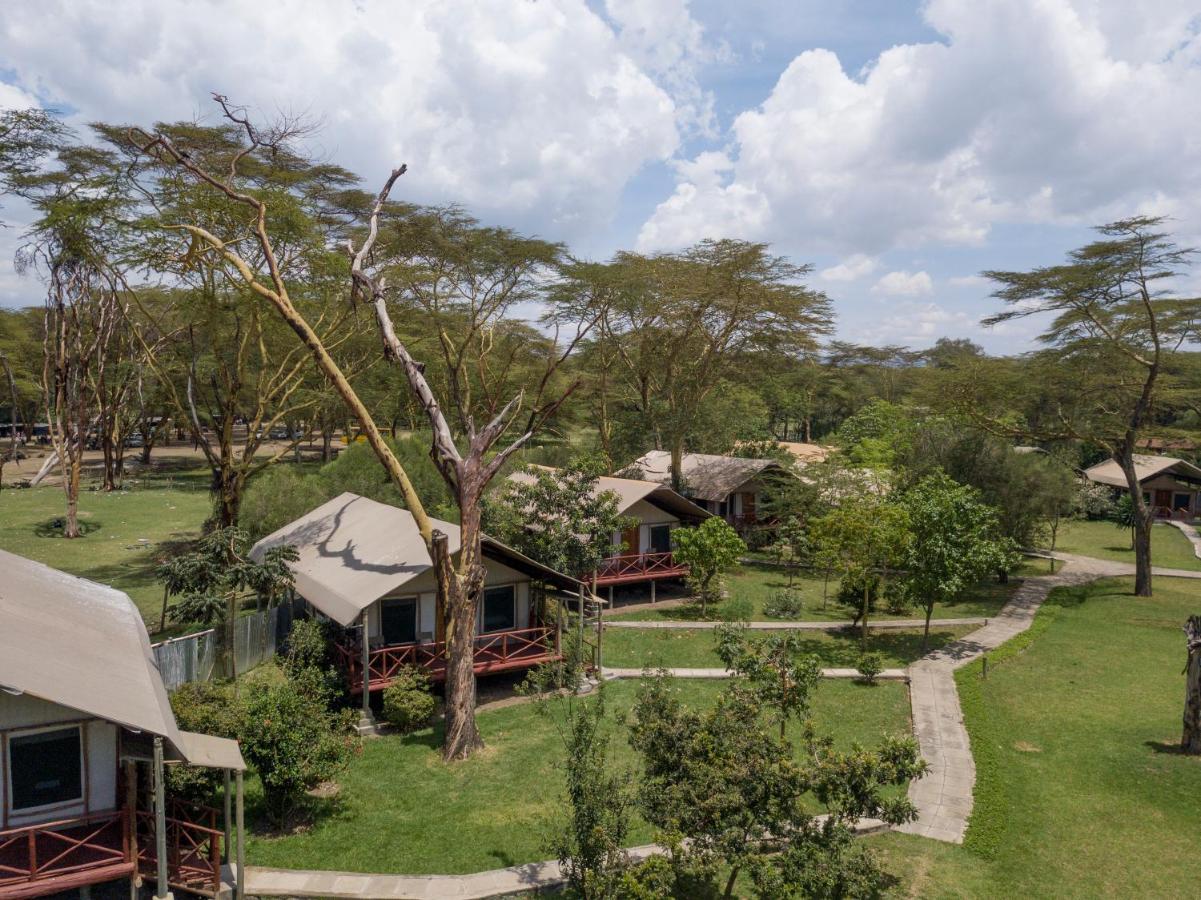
9,455
1190,741
460,582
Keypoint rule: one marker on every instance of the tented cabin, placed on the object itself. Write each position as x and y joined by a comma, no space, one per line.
642,552
85,730
1170,486
362,562
727,486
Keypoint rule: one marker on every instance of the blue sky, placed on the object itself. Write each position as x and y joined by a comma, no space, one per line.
898,147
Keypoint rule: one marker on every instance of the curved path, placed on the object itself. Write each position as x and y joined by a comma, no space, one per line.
790,625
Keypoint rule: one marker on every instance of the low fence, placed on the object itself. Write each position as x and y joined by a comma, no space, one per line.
257,636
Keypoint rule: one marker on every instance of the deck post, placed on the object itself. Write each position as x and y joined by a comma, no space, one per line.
228,798
240,879
580,621
161,889
599,629
366,719
131,825
652,590
560,611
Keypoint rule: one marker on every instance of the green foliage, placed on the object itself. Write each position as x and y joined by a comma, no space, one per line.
852,588
876,434
558,517
870,666
357,469
294,743
278,496
205,709
308,660
772,669
590,843
708,550
784,604
1094,501
408,702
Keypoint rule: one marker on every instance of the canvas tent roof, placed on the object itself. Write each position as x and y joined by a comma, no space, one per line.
354,550
82,645
708,477
1145,467
630,490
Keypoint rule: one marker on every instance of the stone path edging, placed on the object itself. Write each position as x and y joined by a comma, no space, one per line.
790,625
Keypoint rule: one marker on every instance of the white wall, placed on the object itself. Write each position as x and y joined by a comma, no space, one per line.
100,764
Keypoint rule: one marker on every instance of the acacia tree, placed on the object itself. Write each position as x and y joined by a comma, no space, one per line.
467,473
1190,740
1113,303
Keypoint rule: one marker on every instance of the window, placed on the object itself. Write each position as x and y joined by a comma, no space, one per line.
45,768
1181,501
660,538
398,620
499,612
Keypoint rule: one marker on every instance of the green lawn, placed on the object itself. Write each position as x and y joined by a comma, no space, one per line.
1079,792
402,810
112,550
1104,540
696,648
752,585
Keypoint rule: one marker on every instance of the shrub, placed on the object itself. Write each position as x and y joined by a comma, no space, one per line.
850,590
898,601
206,709
786,604
870,666
738,610
293,742
307,661
408,703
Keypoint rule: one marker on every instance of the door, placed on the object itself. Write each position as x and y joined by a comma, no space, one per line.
398,620
1163,502
629,537
660,538
748,507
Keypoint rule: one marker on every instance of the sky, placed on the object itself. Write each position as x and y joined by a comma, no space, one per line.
898,148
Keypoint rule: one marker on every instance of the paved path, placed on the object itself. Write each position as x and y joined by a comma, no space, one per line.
1107,568
1191,533
611,673
787,625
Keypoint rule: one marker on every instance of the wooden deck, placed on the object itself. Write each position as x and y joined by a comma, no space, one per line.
502,651
65,855
631,568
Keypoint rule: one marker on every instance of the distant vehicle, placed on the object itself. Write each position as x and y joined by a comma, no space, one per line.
134,439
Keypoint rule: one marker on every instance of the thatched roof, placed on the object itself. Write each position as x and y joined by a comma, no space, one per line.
706,477
1145,467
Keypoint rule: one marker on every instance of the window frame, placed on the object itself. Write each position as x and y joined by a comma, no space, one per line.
10,809
512,588
409,598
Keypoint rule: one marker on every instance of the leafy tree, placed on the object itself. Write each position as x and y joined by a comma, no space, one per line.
955,542
708,550
773,669
791,547
559,517
1116,314
214,579
862,536
876,434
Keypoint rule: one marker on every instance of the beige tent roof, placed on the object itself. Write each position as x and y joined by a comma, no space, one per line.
707,477
804,452
630,490
1145,467
211,751
354,550
82,645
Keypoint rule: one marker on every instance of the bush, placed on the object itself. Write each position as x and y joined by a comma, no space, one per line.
738,610
307,661
279,495
206,709
408,703
293,742
899,601
850,590
870,666
786,604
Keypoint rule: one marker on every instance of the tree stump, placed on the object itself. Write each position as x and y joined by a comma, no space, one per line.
1190,741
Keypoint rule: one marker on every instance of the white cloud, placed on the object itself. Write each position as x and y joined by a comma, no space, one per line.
904,284
530,110
664,38
1048,111
968,281
850,269
915,324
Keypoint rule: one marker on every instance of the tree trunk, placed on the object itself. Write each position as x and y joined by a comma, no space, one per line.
460,591
867,587
1190,741
71,487
926,633
327,441
677,462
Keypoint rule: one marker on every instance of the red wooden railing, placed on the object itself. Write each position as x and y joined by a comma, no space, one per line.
496,652
64,851
1166,512
193,847
638,567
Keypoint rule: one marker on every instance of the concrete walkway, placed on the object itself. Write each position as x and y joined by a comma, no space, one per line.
1191,533
886,675
788,625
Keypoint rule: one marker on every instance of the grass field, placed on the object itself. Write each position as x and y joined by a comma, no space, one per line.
696,648
752,585
1104,540
1080,791
401,809
126,531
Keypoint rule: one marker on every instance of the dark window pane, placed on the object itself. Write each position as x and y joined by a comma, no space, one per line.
399,618
45,768
660,538
500,609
